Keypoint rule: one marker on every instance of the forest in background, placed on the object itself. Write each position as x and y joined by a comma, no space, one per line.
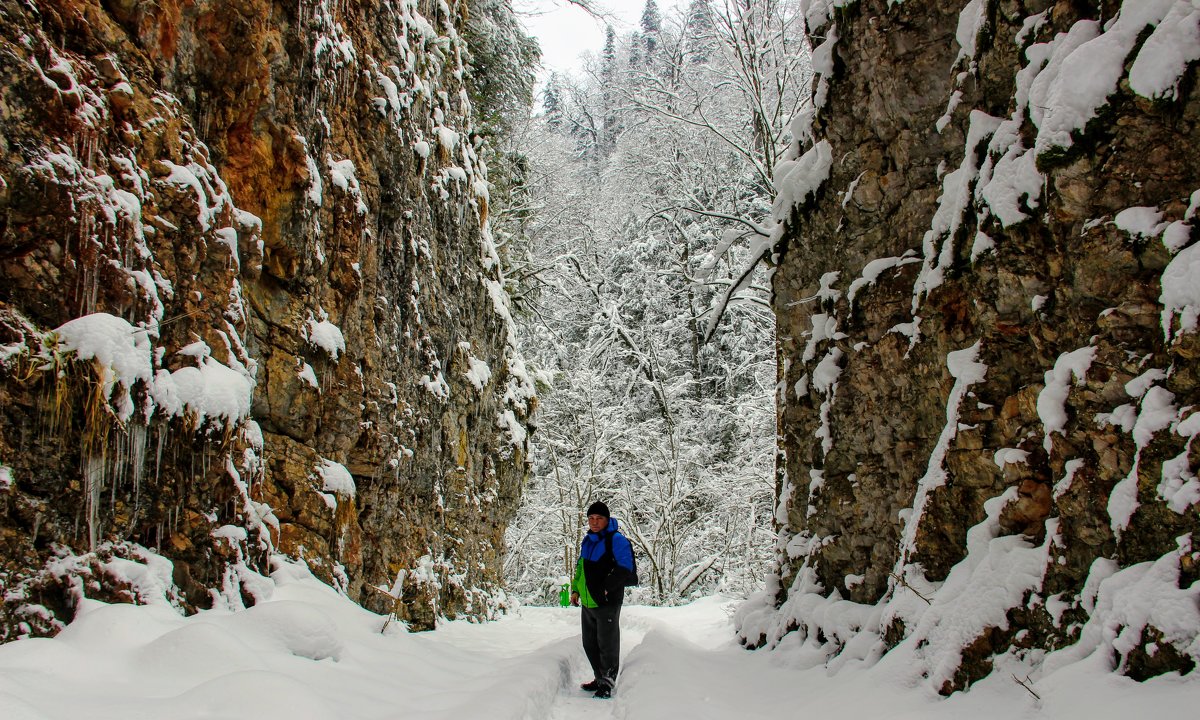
638,233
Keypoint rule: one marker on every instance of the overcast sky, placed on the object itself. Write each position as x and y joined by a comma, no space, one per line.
564,31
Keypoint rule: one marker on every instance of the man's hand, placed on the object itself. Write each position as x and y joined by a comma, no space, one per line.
575,599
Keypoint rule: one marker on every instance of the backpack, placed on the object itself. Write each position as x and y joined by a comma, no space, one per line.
608,552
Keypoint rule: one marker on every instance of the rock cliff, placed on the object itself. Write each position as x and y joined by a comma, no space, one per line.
249,306
987,297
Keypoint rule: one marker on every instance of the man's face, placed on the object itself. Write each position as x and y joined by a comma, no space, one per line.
596,523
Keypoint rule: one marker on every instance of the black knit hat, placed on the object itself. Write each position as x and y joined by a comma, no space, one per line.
598,508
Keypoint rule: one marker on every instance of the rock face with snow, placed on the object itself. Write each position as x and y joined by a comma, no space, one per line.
249,305
987,317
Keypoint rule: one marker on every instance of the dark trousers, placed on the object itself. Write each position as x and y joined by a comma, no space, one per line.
602,641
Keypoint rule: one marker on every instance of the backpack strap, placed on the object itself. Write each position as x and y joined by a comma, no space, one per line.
608,552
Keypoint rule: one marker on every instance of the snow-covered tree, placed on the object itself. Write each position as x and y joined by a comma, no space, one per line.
651,27
644,199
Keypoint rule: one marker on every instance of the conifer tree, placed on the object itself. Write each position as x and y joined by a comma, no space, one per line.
552,101
635,51
651,27
701,28
609,54
608,77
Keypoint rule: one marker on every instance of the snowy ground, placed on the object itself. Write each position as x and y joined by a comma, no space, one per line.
309,653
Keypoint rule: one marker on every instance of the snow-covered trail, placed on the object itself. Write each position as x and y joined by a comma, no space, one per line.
534,631
308,653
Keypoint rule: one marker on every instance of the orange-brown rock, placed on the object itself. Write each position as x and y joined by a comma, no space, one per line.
250,185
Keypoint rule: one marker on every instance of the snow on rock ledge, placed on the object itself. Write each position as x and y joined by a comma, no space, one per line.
122,356
968,520
202,234
121,353
798,180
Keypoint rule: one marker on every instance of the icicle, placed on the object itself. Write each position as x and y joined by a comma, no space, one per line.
121,464
93,290
115,479
93,474
137,454
162,439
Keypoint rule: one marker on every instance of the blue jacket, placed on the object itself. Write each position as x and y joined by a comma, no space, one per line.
600,579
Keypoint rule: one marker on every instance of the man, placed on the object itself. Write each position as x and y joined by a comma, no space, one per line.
604,568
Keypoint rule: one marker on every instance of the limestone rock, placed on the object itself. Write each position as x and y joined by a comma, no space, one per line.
284,201
1013,374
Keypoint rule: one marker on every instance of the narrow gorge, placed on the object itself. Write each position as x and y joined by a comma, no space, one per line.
263,265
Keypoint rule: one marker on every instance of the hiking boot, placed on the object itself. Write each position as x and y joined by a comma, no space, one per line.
603,692
592,686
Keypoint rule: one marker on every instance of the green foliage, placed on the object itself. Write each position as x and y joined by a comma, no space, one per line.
500,81
700,32
651,26
552,102
502,61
